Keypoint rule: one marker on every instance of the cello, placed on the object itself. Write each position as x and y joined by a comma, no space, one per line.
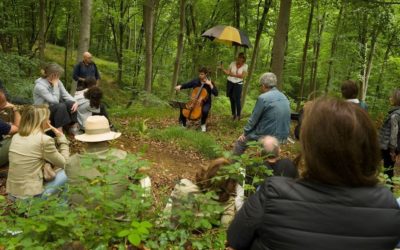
193,108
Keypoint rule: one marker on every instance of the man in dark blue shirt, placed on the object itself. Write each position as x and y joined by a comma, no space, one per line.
207,85
84,70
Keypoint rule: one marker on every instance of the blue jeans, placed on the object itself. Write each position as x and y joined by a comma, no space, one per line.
51,187
56,185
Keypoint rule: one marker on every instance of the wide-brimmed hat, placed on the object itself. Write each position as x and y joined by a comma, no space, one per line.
97,129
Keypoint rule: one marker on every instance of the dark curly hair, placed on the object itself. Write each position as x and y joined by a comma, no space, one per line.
94,94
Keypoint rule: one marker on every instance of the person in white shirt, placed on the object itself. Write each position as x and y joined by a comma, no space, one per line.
236,73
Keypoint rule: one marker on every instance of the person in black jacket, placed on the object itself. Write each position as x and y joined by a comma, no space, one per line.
211,89
337,204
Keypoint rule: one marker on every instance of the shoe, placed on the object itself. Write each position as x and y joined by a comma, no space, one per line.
233,117
203,128
238,118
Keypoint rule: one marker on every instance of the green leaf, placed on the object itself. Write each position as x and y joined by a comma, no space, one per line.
135,224
146,224
134,239
123,233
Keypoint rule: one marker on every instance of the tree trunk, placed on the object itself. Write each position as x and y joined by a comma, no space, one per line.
267,5
236,20
333,49
42,27
278,49
305,50
148,19
313,83
67,44
180,46
84,28
368,65
383,67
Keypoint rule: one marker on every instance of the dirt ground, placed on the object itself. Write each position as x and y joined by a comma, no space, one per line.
168,163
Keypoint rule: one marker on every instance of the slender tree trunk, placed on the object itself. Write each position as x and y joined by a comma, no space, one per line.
84,28
148,15
67,44
383,67
333,49
42,27
179,50
267,5
304,59
313,83
236,20
368,67
278,49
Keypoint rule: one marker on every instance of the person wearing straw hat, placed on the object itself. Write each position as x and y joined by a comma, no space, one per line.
97,135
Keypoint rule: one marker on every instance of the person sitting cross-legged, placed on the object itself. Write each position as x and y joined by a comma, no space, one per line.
96,137
29,150
51,91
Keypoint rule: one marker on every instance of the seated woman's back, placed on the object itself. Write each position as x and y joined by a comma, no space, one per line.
30,149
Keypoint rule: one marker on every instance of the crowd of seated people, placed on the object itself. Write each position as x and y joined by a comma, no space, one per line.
336,202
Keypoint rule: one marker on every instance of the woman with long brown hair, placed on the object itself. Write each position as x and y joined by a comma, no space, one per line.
337,204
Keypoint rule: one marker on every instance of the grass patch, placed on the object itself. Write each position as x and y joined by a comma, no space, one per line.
186,138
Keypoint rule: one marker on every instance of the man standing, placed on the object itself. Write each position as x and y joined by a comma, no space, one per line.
271,115
84,70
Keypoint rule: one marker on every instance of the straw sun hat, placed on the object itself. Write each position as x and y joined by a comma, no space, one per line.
97,129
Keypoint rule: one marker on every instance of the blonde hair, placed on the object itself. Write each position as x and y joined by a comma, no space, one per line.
32,119
52,68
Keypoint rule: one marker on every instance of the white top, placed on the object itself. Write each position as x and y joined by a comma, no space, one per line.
84,109
237,71
353,100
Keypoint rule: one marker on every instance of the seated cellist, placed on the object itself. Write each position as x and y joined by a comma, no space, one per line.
209,87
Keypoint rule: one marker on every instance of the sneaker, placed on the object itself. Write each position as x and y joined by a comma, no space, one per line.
203,128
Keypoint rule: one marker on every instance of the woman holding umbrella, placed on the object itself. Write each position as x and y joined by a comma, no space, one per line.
236,73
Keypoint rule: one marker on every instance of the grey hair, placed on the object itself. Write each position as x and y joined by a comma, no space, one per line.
270,146
268,80
52,68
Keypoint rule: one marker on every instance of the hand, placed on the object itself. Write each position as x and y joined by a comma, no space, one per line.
177,88
74,107
242,138
55,131
209,83
8,105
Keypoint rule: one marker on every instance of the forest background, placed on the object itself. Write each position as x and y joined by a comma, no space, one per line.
143,48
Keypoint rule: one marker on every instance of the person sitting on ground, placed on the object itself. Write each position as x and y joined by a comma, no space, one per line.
50,90
337,204
96,138
271,115
89,102
280,167
8,126
211,89
29,150
349,90
389,136
230,193
84,70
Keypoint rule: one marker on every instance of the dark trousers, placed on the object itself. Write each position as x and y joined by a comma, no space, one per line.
204,115
234,92
60,114
388,163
